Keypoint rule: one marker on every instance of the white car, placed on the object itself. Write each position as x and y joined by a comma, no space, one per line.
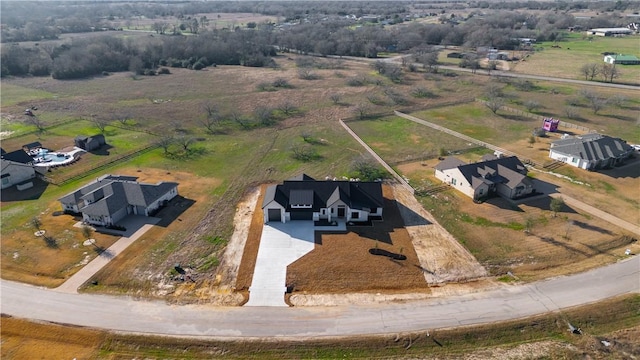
635,147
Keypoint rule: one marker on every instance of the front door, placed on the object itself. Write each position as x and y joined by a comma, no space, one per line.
341,211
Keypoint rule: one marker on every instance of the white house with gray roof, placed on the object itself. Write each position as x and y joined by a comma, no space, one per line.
591,151
304,198
110,198
506,177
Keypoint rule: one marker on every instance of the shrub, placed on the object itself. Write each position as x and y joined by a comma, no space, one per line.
164,71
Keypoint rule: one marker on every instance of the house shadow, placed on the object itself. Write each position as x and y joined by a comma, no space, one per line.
544,203
172,211
34,193
410,217
503,204
102,150
393,219
629,169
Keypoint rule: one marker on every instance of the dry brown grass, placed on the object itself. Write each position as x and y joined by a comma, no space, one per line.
32,340
539,336
128,271
554,246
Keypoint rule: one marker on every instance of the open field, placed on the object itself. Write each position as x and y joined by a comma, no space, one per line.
616,321
238,157
565,60
235,157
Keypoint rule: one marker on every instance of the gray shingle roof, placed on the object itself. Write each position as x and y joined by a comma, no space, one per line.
449,163
111,193
592,147
509,171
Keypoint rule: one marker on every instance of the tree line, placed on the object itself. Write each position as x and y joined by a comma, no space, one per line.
83,57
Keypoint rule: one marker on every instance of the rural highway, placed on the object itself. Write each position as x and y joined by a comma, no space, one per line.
154,317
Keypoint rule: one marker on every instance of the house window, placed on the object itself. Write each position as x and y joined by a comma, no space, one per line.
355,215
574,160
323,211
453,181
481,192
5,181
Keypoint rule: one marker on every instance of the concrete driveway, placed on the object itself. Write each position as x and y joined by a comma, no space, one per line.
280,245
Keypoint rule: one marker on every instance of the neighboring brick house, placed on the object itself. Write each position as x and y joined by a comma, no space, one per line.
591,151
110,198
506,177
304,198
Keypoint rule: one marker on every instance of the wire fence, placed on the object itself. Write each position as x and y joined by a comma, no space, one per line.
397,176
464,137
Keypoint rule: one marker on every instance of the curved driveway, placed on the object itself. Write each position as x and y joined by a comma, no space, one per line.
509,302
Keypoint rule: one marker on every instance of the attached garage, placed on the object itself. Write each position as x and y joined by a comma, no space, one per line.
302,215
275,215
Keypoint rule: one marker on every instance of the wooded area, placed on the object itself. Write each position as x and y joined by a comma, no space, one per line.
353,28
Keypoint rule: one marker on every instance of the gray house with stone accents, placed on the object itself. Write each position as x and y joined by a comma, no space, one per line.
110,198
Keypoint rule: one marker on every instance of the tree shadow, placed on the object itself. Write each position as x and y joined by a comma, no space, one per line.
389,254
101,251
50,241
586,226
552,241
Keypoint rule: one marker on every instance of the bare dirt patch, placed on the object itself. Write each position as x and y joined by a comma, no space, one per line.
442,257
342,263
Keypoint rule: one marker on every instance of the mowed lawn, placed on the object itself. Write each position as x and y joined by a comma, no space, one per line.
577,50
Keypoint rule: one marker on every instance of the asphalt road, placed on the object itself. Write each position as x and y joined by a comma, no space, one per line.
130,315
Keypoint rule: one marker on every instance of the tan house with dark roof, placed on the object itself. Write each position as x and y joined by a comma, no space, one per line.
506,177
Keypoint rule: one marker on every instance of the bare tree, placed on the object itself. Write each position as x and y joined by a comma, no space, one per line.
122,118
336,98
494,104
571,112
287,107
609,72
100,123
240,119
362,111
185,142
165,142
531,105
212,118
590,71
596,101
37,122
263,115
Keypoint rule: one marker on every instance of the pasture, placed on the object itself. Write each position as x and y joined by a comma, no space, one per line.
564,58
242,151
